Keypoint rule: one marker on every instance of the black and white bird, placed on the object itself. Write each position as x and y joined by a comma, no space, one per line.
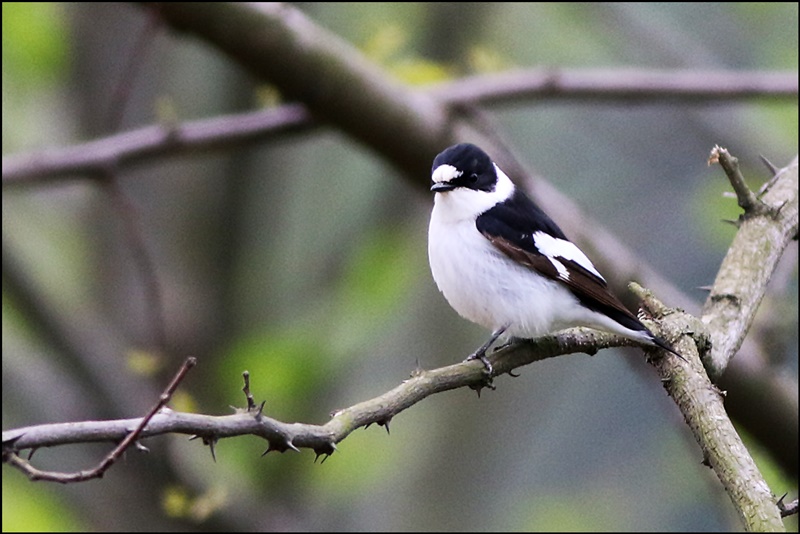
502,263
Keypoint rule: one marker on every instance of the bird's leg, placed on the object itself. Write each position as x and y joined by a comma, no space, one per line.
480,354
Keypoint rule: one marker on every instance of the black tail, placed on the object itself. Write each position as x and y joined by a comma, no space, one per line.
660,343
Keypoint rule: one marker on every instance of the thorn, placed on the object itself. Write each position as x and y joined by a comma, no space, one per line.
193,437
212,445
767,185
272,447
485,384
787,509
705,288
11,441
260,409
324,455
512,375
735,223
290,445
770,167
385,424
325,452
140,447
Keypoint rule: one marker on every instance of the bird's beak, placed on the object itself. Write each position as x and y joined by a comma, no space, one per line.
442,187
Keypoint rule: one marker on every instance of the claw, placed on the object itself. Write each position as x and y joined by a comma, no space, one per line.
480,354
482,357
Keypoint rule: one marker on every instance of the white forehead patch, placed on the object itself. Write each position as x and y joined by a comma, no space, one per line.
553,247
445,173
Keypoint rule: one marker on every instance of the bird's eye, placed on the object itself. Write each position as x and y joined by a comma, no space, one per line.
473,178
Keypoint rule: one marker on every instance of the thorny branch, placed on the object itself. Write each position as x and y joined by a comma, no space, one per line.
127,437
769,223
293,436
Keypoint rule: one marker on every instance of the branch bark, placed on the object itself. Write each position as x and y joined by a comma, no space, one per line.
618,85
320,438
766,228
703,409
686,382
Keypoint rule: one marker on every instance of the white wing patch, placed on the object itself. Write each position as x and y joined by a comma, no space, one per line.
445,173
563,273
553,247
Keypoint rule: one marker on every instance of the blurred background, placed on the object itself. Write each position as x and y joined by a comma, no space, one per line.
303,260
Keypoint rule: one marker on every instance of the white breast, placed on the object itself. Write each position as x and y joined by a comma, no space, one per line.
486,287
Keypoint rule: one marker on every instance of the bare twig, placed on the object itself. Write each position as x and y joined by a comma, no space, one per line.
747,199
763,235
10,447
618,85
123,87
321,438
95,158
251,404
132,236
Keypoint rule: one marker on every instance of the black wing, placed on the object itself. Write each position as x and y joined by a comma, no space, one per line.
510,227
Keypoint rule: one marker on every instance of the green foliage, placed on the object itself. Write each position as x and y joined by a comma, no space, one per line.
34,42
374,285
389,47
31,507
289,361
284,366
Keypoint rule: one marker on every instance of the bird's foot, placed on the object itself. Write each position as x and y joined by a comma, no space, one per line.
480,354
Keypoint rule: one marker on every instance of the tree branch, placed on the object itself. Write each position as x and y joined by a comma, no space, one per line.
765,229
95,158
320,438
703,409
687,384
124,436
618,85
